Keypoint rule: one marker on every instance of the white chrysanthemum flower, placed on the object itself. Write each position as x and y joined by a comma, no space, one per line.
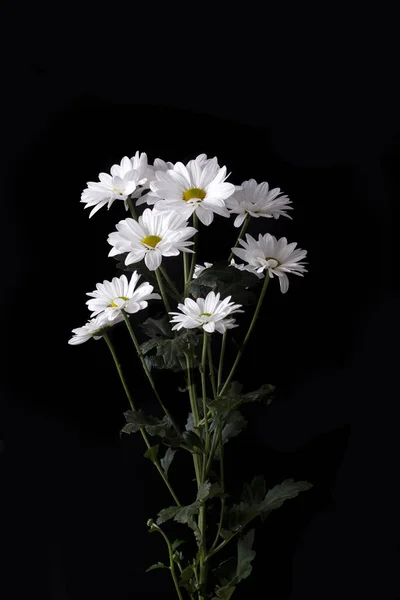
209,313
242,267
198,187
93,329
160,165
272,255
126,179
257,200
150,238
111,297
199,269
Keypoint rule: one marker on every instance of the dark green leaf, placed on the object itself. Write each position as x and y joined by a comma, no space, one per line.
158,565
226,280
149,345
138,420
181,514
203,491
186,575
245,556
190,423
192,440
166,514
152,453
286,490
167,460
234,423
170,350
157,327
233,397
177,543
224,593
226,571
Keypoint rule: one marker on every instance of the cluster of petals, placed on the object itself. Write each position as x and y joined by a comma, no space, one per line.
209,313
257,200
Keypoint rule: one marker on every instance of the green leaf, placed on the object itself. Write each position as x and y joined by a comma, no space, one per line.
226,571
255,492
158,565
170,350
181,514
186,575
228,281
233,397
203,491
157,327
192,440
234,423
167,460
245,556
286,490
177,543
138,420
152,453
224,593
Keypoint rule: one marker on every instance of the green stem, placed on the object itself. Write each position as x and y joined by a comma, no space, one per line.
241,234
185,273
171,561
195,411
171,284
246,339
131,208
146,370
221,361
204,392
211,367
162,291
225,542
142,431
222,480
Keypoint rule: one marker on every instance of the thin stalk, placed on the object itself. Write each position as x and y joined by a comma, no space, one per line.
185,272
241,234
148,374
142,431
246,339
131,208
195,411
193,263
162,291
211,367
171,284
204,392
222,480
225,542
221,361
171,561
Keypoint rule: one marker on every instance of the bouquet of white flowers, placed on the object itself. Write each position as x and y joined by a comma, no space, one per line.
206,302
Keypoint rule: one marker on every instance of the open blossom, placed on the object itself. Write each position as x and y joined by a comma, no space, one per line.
272,255
198,187
209,313
111,297
94,328
243,267
125,179
153,236
257,200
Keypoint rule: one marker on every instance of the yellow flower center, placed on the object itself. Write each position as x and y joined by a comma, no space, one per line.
205,315
151,240
112,303
273,258
194,193
119,191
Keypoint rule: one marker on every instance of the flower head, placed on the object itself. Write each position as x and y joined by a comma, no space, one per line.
242,267
94,328
150,238
257,200
198,187
125,180
272,255
111,297
209,313
198,269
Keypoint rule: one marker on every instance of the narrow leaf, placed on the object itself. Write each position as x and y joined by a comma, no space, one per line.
167,460
245,556
158,565
286,490
152,453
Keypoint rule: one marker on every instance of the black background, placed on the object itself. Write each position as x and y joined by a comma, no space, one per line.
305,99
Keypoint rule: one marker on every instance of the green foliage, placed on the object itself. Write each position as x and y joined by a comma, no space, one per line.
233,397
167,460
228,281
254,503
245,556
230,572
175,544
170,348
158,565
152,453
234,423
136,420
224,593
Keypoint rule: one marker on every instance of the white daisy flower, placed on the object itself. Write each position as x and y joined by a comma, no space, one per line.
198,187
209,313
153,236
199,269
272,255
125,180
257,200
111,297
93,329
